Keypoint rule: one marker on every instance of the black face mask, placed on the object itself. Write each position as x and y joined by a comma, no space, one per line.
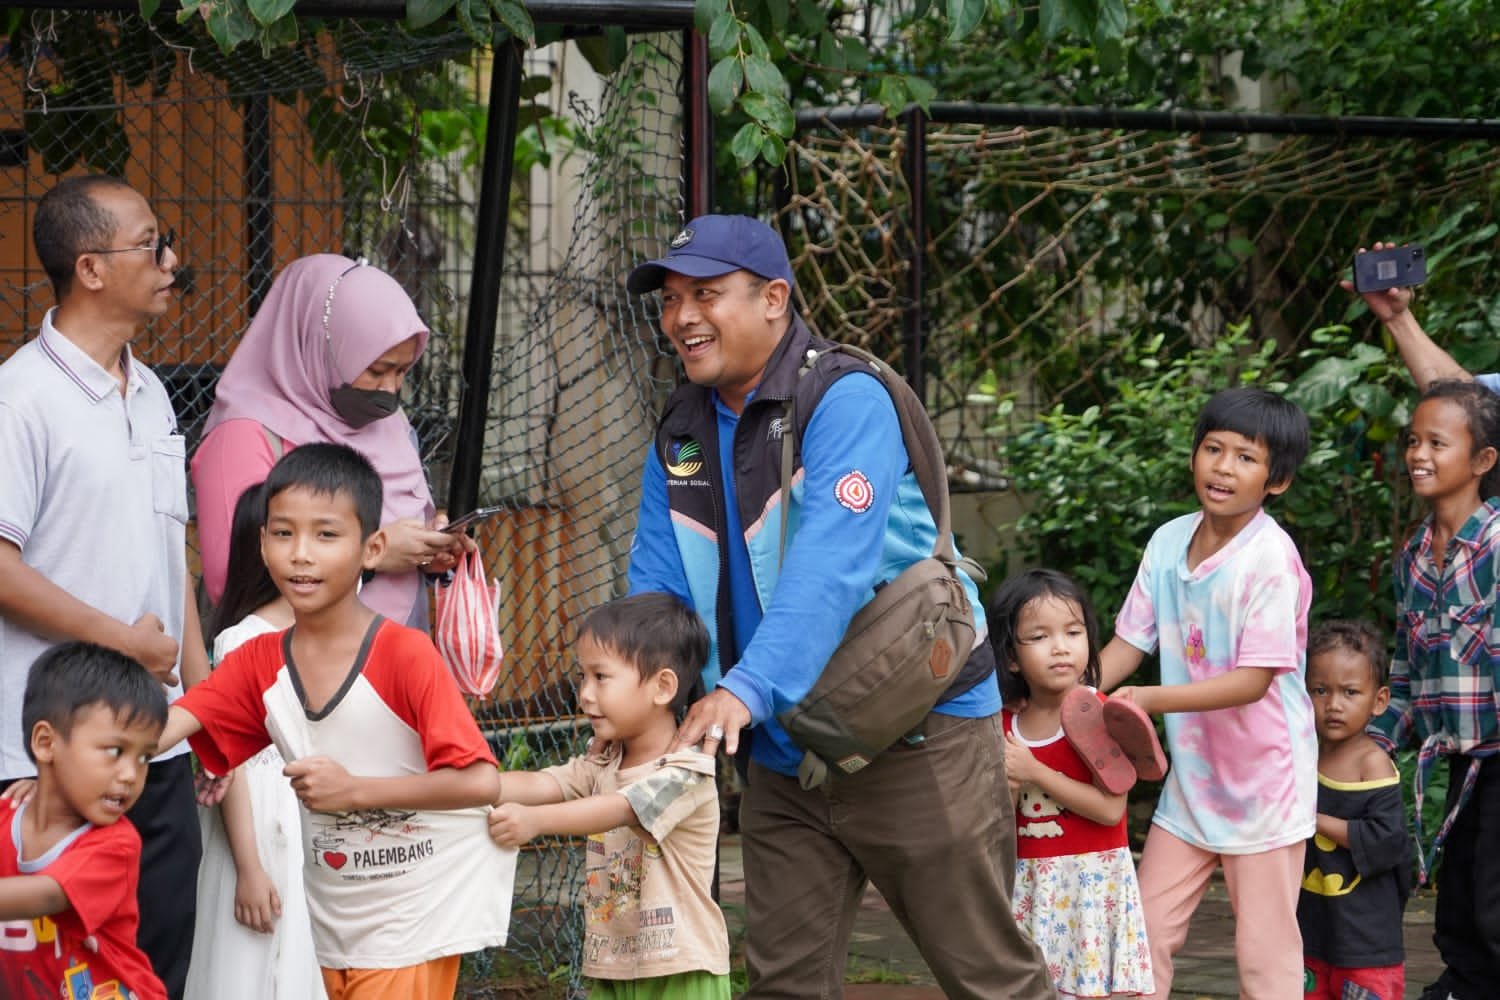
360,407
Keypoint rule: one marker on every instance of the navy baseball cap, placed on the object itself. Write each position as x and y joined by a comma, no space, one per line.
711,245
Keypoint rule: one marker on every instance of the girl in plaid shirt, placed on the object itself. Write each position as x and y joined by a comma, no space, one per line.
1443,674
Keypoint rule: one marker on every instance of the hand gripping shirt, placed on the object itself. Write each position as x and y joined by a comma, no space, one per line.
1244,779
89,949
386,888
648,910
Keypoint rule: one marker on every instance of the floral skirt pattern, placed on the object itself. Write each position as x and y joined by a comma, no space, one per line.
1084,912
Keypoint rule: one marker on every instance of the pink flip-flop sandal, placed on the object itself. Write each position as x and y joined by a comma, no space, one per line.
1083,726
1132,730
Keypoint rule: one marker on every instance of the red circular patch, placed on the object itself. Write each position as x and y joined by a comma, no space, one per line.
854,492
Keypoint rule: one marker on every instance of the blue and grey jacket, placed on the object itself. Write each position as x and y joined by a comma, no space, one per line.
856,519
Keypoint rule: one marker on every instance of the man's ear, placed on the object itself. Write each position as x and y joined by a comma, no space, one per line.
778,298
86,273
44,741
374,549
663,686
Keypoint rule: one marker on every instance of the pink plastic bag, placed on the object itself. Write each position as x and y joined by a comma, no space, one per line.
468,632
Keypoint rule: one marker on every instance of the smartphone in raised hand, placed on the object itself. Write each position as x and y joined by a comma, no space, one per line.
1392,267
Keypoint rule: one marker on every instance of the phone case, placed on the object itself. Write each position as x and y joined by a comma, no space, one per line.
1393,267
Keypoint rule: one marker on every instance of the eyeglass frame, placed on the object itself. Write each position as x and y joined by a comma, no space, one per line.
164,242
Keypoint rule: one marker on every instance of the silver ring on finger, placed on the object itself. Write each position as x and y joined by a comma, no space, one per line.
716,733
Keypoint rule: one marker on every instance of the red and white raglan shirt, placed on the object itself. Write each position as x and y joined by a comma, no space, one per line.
89,949
386,888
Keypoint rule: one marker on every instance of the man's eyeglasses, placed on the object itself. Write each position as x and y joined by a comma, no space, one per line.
164,242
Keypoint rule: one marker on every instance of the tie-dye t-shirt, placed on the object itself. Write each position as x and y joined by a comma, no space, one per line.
1243,780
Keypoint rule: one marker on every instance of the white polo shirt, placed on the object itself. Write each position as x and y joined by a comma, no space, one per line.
93,489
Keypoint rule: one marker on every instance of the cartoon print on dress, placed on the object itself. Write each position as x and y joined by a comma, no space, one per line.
854,492
1036,812
1197,651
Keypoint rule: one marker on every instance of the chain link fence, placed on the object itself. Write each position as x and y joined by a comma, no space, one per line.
364,139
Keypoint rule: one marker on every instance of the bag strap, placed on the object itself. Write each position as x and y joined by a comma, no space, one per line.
923,450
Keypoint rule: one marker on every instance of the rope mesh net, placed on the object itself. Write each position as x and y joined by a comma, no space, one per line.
1045,244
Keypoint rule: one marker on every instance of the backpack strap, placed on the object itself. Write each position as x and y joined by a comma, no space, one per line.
923,450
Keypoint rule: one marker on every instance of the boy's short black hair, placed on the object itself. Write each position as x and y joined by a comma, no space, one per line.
1260,415
1359,638
73,676
655,631
331,469
69,223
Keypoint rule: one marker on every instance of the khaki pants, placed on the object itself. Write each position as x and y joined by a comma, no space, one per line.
930,823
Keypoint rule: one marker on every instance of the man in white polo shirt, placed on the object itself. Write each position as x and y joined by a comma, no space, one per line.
93,507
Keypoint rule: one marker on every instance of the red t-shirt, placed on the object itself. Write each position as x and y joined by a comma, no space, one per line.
1045,829
89,949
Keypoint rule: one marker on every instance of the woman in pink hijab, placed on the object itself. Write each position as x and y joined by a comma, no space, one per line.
322,361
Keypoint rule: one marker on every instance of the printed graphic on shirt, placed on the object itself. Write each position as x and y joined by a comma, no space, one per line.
613,887
1323,883
686,458
1036,814
854,492
40,939
369,844
1197,650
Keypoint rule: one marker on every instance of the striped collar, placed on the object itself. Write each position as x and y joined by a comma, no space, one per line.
82,370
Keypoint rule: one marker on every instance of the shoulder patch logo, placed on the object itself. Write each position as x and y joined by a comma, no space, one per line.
687,458
854,492
682,239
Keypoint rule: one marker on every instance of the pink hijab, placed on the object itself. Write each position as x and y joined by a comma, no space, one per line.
325,320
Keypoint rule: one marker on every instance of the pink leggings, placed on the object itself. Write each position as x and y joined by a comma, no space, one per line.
1263,892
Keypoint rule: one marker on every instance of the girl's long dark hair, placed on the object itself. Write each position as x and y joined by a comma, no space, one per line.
247,582
1004,614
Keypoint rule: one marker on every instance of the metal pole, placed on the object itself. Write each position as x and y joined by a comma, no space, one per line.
914,316
491,228
259,248
698,126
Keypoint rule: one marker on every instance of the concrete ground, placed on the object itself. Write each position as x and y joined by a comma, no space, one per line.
880,950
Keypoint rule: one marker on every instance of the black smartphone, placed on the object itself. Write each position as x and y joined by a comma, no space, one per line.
472,517
1393,267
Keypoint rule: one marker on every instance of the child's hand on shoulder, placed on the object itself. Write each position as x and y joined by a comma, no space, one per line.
19,792
512,824
1020,763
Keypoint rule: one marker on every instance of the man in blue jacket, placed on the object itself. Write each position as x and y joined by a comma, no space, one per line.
930,821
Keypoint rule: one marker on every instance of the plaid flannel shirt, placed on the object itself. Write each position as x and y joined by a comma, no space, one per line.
1447,657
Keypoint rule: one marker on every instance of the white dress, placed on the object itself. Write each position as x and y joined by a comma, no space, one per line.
230,961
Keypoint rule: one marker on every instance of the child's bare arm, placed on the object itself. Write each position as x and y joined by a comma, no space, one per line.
1117,661
257,905
323,785
26,897
512,824
180,725
1237,687
528,788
